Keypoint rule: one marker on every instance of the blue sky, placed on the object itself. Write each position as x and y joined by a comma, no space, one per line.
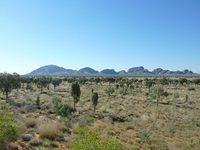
101,34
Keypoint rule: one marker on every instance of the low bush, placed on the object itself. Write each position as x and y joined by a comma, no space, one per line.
87,139
56,101
145,135
109,91
8,131
191,89
65,110
123,91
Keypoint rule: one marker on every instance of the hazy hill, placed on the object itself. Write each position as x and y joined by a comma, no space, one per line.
87,71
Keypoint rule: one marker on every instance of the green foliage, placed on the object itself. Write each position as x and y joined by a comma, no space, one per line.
164,81
43,82
75,92
176,95
145,135
148,83
170,126
29,87
196,81
157,93
186,98
109,91
8,131
95,98
183,81
9,82
56,82
152,95
82,80
87,139
56,102
123,91
193,143
38,102
65,110
191,89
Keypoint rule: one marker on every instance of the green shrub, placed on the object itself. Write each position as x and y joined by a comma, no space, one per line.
87,139
193,143
123,91
191,89
110,90
8,131
29,87
56,102
38,102
145,135
65,110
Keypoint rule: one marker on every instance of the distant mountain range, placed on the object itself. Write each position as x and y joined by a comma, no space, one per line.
54,70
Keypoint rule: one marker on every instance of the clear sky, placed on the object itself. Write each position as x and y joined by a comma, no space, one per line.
117,34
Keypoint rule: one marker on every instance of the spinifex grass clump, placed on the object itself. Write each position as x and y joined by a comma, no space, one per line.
56,100
145,135
61,109
86,139
65,110
124,91
109,91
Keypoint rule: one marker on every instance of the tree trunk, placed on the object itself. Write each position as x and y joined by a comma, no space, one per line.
74,105
94,109
6,94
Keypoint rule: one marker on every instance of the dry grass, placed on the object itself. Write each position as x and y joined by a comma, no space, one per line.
136,106
50,130
30,122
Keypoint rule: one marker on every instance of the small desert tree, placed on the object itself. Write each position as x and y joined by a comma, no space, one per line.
43,82
183,81
163,81
149,83
95,98
9,82
75,92
196,81
56,82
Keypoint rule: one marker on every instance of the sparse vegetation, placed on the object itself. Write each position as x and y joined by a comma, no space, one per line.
124,114
87,139
8,131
